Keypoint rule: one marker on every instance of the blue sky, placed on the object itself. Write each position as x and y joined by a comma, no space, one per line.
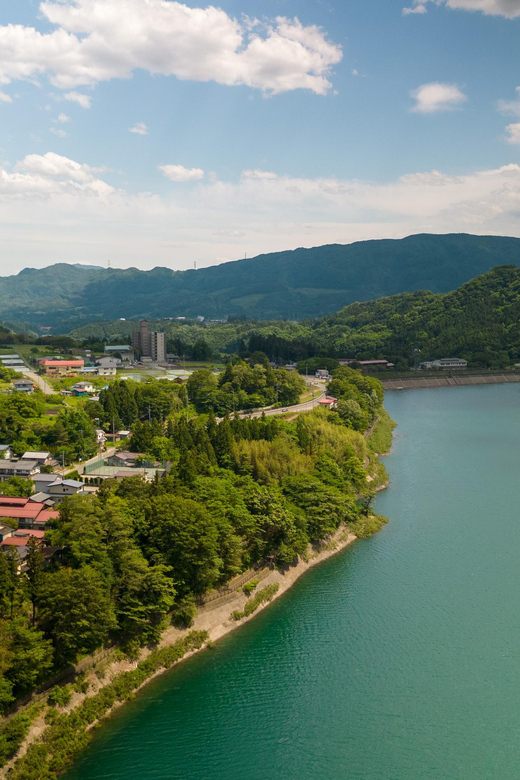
151,132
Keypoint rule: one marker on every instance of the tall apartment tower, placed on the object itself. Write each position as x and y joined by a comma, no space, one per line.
149,343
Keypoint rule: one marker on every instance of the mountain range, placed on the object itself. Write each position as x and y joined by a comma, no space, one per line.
293,285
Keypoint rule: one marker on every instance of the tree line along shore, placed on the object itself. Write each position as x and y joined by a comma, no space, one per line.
137,556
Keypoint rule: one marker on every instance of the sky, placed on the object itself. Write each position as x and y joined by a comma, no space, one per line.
158,133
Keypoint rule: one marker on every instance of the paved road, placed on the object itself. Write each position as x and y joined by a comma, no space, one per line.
80,467
307,406
38,380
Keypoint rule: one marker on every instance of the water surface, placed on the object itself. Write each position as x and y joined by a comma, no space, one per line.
398,659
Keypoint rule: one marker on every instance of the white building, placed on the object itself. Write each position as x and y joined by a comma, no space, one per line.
106,371
449,363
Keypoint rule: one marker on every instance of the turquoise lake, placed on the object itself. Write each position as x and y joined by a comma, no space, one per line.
397,659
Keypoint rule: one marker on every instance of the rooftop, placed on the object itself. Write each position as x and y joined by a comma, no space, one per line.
126,455
18,465
35,455
56,363
67,482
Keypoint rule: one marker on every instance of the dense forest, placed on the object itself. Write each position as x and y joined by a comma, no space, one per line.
478,322
283,285
134,555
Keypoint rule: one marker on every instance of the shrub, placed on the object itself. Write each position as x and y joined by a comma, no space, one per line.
14,732
264,595
68,734
250,586
60,696
81,685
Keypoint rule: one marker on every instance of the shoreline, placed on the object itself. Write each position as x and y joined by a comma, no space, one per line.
469,380
215,620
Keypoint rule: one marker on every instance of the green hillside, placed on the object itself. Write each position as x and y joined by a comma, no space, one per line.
480,321
303,283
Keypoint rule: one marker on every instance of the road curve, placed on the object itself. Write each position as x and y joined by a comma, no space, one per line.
307,406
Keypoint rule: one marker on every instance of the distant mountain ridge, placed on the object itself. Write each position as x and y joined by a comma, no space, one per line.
297,284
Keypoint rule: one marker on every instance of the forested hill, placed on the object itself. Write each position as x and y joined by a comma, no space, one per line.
304,283
479,322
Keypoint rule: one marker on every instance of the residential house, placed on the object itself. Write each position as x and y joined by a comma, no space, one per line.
42,458
41,481
329,402
5,531
61,367
82,389
322,373
18,468
19,540
125,459
5,451
43,498
117,436
106,371
23,386
61,488
27,513
108,362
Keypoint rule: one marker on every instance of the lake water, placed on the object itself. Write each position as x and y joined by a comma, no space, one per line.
397,659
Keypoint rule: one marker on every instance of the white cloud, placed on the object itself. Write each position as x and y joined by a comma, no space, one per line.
85,101
416,9
511,106
57,131
259,175
98,40
179,173
67,209
51,174
513,133
508,8
434,97
140,128
64,118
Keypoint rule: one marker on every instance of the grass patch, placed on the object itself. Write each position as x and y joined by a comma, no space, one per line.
264,595
68,734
